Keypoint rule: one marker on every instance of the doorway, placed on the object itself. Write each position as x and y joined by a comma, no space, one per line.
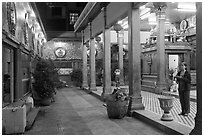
8,76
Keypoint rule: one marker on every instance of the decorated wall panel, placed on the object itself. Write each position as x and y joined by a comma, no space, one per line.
62,49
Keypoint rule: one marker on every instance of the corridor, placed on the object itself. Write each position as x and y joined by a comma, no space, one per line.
75,112
48,45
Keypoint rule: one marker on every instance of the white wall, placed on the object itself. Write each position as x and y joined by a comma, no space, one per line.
173,61
143,36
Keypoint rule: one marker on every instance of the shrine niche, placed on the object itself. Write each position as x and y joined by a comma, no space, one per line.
180,43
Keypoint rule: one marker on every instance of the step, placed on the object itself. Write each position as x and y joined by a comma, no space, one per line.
148,83
149,77
170,127
148,88
30,118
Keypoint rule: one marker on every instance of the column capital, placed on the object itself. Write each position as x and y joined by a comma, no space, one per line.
160,9
121,34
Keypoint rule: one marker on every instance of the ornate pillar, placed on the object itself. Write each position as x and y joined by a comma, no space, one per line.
198,119
134,52
161,81
106,59
120,60
84,59
92,62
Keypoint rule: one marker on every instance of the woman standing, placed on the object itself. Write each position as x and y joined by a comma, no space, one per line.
184,82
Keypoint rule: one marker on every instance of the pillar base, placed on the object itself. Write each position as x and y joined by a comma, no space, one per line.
160,88
85,86
135,104
92,89
106,92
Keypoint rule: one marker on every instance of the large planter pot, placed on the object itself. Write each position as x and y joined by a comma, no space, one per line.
117,109
166,104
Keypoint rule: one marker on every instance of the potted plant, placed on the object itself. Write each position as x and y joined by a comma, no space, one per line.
117,103
76,77
45,79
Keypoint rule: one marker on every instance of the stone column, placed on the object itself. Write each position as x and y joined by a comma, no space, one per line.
18,88
198,119
12,76
134,59
167,65
92,62
84,59
161,84
106,59
120,37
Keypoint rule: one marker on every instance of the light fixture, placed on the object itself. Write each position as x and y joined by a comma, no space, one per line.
152,19
142,7
98,39
125,26
186,7
117,27
145,13
144,16
152,23
186,10
120,22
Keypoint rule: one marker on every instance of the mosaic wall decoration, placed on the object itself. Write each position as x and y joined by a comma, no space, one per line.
67,50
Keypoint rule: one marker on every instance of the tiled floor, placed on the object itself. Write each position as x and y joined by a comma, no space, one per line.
76,112
151,103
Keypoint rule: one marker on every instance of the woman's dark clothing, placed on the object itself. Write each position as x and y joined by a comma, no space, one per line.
184,84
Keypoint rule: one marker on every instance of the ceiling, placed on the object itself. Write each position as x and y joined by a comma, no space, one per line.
173,15
59,22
